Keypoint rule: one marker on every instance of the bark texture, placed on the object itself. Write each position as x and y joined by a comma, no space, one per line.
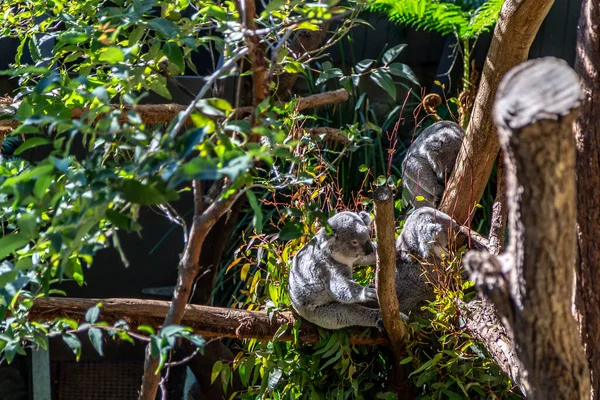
499,210
386,284
515,30
531,284
210,322
187,272
587,141
483,324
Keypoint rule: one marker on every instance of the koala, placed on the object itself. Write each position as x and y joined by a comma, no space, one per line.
426,236
321,287
429,162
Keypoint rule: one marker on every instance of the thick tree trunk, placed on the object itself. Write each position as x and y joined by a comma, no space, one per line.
531,284
587,141
515,30
210,322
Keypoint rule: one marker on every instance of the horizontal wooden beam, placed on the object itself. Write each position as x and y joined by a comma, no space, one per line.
206,321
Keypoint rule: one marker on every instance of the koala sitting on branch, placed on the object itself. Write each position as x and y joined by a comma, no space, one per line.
429,163
321,287
427,234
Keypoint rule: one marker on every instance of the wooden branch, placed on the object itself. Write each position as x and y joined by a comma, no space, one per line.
483,324
587,141
515,30
304,103
187,271
385,279
535,107
247,11
499,210
210,322
153,114
329,134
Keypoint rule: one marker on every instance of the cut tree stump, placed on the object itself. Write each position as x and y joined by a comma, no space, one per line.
531,283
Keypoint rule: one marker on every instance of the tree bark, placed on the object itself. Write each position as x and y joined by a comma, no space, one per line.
499,211
587,141
188,269
210,322
531,284
483,324
386,285
515,30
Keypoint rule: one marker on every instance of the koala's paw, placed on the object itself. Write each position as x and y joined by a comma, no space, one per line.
379,325
369,293
403,317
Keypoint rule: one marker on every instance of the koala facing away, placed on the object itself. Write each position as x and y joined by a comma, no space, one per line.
321,287
429,163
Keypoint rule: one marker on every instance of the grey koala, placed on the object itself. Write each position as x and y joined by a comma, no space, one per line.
426,235
429,163
320,282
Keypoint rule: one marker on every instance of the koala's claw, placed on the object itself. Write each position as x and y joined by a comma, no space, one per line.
369,293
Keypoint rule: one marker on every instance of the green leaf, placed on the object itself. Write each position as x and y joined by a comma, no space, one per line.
122,221
146,195
146,328
290,231
385,81
71,37
174,54
160,89
73,343
257,219
363,65
31,143
92,314
26,175
41,185
12,242
112,55
403,71
393,53
95,336
27,224
168,29
216,370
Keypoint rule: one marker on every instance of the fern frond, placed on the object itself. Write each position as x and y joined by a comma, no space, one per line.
445,18
428,15
484,18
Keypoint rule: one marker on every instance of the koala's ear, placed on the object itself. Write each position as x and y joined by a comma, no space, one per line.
366,218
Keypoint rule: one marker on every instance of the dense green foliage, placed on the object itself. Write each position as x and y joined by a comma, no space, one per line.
98,170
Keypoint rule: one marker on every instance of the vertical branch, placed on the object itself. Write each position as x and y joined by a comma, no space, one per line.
587,141
247,10
386,283
188,269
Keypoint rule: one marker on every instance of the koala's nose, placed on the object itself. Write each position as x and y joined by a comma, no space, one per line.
368,247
